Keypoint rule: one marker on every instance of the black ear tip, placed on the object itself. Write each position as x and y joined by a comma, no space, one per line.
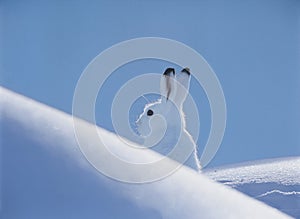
186,70
168,71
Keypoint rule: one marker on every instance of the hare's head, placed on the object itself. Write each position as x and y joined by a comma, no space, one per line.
166,113
162,124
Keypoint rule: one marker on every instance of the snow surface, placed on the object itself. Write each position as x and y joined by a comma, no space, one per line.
275,181
45,175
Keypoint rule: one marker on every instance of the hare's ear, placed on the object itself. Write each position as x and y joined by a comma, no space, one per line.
167,84
183,80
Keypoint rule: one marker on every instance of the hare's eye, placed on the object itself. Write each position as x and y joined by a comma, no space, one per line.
149,112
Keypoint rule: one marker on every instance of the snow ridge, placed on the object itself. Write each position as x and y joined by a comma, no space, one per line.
284,171
46,174
278,191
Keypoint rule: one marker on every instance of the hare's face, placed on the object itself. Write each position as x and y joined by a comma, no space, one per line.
157,118
146,120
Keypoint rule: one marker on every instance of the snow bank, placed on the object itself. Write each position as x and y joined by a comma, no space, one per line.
45,175
274,181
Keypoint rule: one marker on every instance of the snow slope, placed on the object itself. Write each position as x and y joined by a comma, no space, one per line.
275,182
44,175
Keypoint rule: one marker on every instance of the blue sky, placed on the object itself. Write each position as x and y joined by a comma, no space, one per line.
253,47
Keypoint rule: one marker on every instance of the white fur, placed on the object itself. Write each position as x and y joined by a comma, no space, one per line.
166,127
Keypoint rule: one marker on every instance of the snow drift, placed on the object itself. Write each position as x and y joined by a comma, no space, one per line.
273,181
45,175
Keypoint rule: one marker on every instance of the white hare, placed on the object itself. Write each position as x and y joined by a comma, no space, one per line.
163,122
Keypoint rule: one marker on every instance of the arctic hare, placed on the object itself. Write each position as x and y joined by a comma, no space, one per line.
163,122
